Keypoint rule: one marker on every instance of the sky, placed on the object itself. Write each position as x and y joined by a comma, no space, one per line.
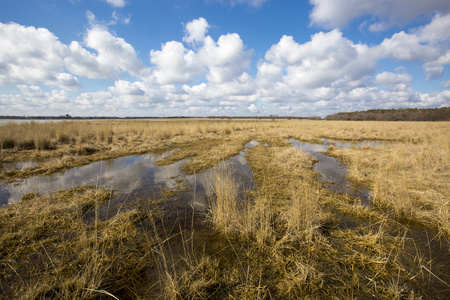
168,58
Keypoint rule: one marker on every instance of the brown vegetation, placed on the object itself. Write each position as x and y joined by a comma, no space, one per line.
286,238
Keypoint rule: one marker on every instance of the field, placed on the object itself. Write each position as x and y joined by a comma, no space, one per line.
286,235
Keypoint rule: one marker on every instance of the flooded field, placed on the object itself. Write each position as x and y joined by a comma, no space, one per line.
227,209
332,172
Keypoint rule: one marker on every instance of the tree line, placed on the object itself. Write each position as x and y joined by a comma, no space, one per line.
403,114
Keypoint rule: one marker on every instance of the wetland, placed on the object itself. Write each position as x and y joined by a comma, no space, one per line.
225,209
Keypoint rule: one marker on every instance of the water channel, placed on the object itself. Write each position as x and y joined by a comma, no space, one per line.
133,178
332,172
138,177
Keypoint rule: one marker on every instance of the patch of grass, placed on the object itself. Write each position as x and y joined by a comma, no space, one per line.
409,179
288,238
49,251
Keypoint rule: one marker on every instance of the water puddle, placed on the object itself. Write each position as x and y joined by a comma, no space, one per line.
332,172
200,192
123,174
133,178
20,165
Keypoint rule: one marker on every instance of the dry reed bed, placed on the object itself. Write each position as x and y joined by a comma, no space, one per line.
293,245
49,251
71,144
292,239
411,180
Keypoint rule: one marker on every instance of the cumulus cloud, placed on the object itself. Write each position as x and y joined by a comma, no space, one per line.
385,13
326,59
31,55
203,76
221,61
429,44
82,62
114,49
196,31
124,87
393,81
252,108
36,56
175,64
225,59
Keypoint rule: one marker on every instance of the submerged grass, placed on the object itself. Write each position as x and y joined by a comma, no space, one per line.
286,238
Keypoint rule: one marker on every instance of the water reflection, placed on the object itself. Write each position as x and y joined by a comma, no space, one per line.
19,165
123,174
200,192
134,178
332,172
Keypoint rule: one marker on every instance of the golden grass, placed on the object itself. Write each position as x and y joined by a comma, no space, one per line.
49,251
409,178
291,239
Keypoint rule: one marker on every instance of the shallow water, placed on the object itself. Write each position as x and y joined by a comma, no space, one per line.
332,172
124,174
20,165
200,192
133,178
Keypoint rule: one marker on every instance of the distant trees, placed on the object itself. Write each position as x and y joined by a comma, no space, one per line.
404,114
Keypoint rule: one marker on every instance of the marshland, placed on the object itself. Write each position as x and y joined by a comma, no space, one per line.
225,209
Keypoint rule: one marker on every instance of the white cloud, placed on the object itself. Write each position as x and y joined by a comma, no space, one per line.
35,56
175,64
67,81
114,49
123,87
116,3
196,31
326,59
428,44
221,61
118,18
82,62
203,76
393,81
384,13
226,59
252,108
32,55
403,46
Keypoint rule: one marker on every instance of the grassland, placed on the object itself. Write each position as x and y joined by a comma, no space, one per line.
289,238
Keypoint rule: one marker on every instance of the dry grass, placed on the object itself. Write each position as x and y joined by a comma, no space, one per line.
63,145
291,239
49,251
410,179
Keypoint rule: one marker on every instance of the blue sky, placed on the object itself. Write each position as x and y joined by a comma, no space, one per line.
222,57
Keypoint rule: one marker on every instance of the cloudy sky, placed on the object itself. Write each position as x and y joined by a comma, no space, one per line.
222,57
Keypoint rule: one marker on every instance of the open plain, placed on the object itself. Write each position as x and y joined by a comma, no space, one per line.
232,209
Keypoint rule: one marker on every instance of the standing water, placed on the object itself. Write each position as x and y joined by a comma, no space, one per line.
332,172
133,178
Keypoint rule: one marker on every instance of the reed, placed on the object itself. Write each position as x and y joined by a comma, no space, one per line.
286,238
49,251
409,178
